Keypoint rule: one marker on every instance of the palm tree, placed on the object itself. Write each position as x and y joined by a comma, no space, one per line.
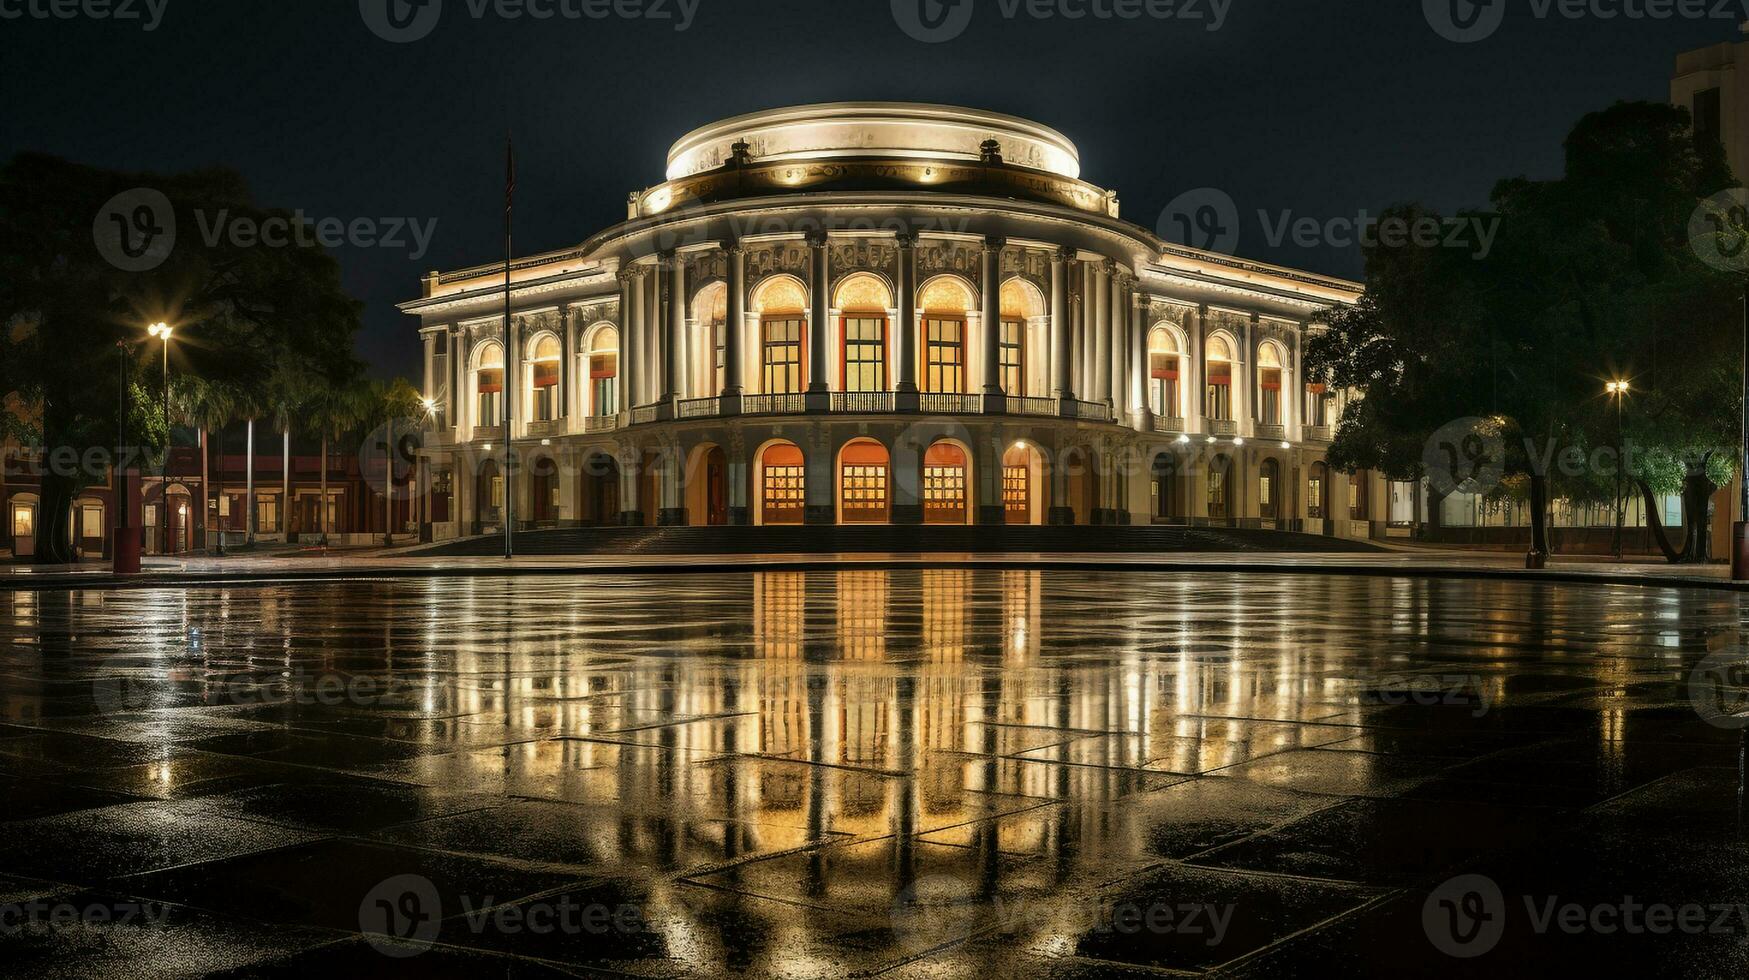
383,406
334,410
287,392
248,404
206,405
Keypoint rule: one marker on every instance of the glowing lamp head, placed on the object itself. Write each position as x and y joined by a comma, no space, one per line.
159,329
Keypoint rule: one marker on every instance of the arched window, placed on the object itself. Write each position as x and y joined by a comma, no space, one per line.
944,484
1163,367
708,354
945,301
1022,303
864,468
489,384
1269,371
863,301
543,379
604,372
781,303
782,485
1320,404
1218,399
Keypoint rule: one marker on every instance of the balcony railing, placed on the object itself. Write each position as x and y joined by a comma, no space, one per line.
1319,433
1167,424
1021,405
697,408
774,404
1271,433
644,414
938,403
1223,427
862,401
601,423
1093,411
546,428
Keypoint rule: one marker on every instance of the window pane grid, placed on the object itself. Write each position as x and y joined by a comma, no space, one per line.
783,356
865,354
943,347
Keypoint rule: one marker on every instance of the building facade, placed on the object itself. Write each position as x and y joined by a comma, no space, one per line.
880,313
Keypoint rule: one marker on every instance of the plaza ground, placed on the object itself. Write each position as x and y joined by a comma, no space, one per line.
866,770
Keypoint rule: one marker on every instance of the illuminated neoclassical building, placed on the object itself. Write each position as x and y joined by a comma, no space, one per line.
880,313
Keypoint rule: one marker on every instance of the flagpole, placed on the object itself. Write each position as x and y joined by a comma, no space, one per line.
510,366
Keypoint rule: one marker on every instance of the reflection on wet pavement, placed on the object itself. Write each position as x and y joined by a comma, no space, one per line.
908,773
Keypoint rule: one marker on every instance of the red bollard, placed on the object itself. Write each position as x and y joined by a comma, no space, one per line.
1740,552
125,546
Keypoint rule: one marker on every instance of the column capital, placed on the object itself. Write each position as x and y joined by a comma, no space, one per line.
816,238
906,239
994,243
1066,254
732,246
1108,266
666,258
629,274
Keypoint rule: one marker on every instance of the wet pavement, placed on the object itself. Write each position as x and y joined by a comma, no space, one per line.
909,773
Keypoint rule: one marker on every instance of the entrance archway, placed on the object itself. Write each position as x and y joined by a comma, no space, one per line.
782,484
864,482
1023,485
1269,490
1082,475
1166,495
598,491
1219,488
707,487
488,497
946,482
543,489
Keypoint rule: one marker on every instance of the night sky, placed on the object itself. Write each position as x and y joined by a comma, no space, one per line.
1324,108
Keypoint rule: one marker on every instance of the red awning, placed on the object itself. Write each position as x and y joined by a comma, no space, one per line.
1316,389
601,367
1166,374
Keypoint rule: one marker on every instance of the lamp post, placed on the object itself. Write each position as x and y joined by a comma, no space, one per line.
1618,390
162,331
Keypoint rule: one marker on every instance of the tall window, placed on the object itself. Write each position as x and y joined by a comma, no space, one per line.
865,353
1218,401
604,372
944,484
1217,489
863,483
489,405
944,354
544,380
1011,351
709,364
1268,489
783,491
1163,373
1315,490
782,357
1319,404
1269,371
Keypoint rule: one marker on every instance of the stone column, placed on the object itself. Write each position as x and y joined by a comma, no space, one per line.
734,380
568,370
630,514
820,292
1138,370
991,270
1120,345
986,488
1197,419
654,345
1062,385
674,365
739,471
907,480
452,389
1078,279
1100,328
430,340
631,339
670,491
905,282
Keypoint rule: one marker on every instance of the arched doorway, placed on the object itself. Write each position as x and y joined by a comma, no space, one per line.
707,487
543,489
1023,484
89,534
782,484
864,482
945,484
1317,488
21,524
1164,491
1218,488
599,491
1082,476
1269,490
488,498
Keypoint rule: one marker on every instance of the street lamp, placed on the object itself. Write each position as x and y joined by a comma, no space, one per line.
162,331
1618,390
